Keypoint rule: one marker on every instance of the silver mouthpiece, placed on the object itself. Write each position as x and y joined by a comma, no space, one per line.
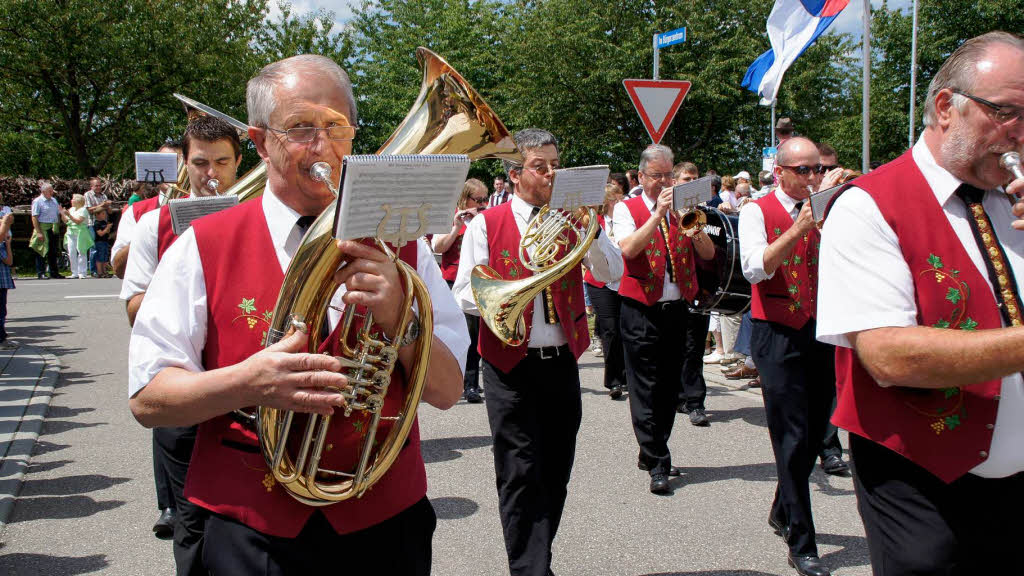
321,172
212,185
1011,163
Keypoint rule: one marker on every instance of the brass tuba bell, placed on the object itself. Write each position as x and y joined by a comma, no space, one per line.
448,117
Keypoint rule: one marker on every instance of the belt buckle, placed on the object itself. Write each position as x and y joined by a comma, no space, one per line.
544,355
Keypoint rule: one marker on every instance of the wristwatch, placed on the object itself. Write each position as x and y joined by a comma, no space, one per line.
412,332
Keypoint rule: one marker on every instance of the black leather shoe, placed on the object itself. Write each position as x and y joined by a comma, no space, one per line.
809,566
683,409
834,465
779,528
699,418
615,393
164,527
660,485
473,396
672,471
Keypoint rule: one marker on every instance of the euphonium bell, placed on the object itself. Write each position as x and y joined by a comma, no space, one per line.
693,218
448,117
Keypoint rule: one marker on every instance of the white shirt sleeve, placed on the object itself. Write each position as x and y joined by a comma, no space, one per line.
604,259
622,221
125,229
170,329
449,321
142,259
474,251
753,242
863,280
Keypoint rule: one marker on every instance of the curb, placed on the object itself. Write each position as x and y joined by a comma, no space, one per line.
12,470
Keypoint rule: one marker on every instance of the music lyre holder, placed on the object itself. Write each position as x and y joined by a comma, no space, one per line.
157,176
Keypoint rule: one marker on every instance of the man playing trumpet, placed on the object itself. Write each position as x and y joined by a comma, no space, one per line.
197,351
533,389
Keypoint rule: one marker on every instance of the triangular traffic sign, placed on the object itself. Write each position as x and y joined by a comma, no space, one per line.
657,102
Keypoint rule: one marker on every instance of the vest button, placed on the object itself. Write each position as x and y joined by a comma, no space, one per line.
990,426
983,454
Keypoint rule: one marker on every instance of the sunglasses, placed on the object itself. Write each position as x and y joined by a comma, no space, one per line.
478,199
805,170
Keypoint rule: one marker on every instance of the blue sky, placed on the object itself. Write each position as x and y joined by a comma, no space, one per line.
849,21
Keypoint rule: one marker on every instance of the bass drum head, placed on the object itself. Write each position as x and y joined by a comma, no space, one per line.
722,287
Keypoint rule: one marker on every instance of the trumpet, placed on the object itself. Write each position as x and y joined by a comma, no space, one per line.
213,185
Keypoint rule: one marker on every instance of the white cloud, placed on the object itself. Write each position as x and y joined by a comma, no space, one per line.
342,9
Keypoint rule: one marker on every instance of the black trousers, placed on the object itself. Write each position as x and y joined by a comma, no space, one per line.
534,412
400,545
161,476
471,378
798,385
831,445
652,337
606,304
918,525
53,248
174,451
694,389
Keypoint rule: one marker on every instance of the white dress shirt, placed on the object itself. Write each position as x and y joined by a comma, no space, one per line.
609,229
603,259
865,283
729,198
754,238
126,227
142,259
624,225
170,329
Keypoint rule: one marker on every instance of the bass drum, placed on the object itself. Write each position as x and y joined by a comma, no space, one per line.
723,288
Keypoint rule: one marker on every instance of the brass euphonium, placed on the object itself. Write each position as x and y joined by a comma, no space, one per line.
448,117
553,244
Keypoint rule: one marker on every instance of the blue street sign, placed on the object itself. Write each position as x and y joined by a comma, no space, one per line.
677,36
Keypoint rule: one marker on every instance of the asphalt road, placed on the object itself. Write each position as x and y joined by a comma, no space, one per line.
87,503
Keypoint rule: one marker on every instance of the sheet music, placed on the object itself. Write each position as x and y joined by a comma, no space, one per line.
579,186
820,201
689,194
399,198
185,210
156,167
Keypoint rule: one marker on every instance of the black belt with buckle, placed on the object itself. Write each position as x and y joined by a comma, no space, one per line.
547,352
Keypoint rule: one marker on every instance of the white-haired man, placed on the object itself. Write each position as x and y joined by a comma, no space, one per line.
197,352
660,277
46,212
925,310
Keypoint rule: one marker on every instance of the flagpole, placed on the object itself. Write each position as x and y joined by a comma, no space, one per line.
771,127
866,108
913,75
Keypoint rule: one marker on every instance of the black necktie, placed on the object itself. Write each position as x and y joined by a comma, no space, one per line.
1000,274
533,214
799,206
304,222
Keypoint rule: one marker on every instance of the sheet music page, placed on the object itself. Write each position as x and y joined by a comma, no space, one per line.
689,194
156,167
820,200
579,186
399,198
185,210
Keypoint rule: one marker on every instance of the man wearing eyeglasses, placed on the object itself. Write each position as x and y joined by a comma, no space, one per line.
532,389
779,253
660,277
197,352
924,308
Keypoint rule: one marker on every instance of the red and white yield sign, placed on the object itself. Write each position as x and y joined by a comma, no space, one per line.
657,101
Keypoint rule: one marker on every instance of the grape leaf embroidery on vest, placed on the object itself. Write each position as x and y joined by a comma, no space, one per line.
248,308
948,413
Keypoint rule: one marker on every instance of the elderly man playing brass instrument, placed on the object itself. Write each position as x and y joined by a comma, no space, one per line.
196,352
921,266
532,390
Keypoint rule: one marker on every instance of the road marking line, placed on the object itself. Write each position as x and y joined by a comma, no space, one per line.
92,296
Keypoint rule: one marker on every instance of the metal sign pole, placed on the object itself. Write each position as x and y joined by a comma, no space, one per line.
913,75
866,104
655,43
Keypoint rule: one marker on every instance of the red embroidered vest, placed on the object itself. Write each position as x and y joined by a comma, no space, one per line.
503,239
588,276
228,474
790,296
165,235
142,206
945,431
644,277
450,258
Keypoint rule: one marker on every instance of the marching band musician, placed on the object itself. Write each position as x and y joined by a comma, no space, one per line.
532,390
654,292
922,261
131,215
471,202
212,149
779,253
196,351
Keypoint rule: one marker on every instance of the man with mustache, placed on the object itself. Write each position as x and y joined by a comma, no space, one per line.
924,307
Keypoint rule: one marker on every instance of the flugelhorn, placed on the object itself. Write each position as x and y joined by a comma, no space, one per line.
448,117
553,244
